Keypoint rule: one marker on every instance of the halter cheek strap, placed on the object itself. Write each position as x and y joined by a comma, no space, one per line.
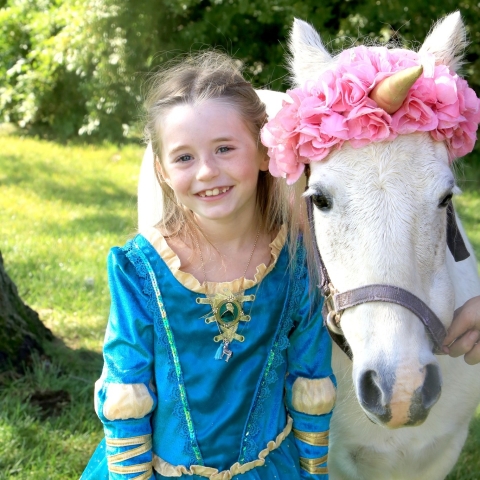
336,303
455,242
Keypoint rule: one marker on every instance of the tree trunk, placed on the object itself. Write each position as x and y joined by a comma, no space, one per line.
21,330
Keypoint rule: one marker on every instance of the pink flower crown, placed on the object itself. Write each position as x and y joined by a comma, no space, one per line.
335,108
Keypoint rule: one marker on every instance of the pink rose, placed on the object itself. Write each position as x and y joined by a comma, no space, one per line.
287,117
314,144
334,108
468,101
312,109
463,139
447,106
335,125
285,156
414,116
325,88
352,92
366,125
424,90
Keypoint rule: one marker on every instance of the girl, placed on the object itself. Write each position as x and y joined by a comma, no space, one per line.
217,364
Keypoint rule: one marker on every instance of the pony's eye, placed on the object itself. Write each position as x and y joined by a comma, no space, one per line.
444,202
321,201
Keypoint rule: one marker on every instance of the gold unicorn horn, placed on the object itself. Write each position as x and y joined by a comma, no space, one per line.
392,91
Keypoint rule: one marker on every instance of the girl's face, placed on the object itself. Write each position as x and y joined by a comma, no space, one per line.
211,161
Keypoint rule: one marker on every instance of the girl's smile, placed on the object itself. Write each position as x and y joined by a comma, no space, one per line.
216,192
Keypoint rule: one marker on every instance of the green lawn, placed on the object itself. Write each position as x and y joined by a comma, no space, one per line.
61,209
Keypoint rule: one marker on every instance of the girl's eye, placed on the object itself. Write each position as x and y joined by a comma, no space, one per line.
184,158
223,149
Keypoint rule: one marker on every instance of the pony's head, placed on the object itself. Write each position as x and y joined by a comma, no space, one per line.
379,128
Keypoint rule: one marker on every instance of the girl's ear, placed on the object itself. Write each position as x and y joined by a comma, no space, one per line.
161,172
264,163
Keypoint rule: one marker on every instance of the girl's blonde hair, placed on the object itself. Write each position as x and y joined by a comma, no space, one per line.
212,75
194,79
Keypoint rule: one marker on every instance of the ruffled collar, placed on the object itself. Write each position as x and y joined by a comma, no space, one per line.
159,243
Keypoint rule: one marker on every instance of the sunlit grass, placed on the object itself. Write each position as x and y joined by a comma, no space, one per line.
61,209
468,203
468,207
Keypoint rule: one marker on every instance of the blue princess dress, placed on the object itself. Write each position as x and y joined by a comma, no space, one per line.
172,406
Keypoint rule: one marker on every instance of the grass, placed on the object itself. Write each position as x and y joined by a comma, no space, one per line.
468,204
61,209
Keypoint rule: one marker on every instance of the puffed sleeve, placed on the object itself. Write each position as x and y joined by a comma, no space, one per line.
310,386
125,394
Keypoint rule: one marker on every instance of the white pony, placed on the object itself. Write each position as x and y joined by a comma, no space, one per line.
380,220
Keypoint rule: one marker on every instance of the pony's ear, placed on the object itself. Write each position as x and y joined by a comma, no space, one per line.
447,41
308,55
273,100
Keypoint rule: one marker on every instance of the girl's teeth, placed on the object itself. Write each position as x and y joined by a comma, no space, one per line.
214,192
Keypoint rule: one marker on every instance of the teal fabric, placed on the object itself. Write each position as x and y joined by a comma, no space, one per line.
207,411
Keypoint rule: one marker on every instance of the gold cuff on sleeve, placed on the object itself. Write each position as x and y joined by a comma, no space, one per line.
134,452
312,465
145,444
127,442
144,468
317,439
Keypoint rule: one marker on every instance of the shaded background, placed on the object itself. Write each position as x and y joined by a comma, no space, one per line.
76,67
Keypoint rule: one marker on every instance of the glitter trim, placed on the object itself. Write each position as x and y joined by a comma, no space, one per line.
156,307
275,359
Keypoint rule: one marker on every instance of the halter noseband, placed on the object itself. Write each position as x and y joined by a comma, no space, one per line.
336,303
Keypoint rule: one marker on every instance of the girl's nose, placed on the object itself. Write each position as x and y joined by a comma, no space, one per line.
208,169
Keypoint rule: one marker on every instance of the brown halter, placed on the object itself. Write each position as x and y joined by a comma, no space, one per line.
335,302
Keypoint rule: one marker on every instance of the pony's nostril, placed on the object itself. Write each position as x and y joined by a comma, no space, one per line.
432,386
371,395
425,396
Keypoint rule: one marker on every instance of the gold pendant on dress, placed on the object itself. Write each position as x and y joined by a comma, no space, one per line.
227,309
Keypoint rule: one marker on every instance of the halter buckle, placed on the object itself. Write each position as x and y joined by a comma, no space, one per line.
333,317
333,322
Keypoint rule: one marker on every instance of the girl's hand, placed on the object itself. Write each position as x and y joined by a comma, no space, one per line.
463,336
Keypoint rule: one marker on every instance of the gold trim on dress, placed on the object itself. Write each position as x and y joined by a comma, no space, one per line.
127,442
159,243
168,470
144,468
317,439
312,465
138,468
145,444
134,452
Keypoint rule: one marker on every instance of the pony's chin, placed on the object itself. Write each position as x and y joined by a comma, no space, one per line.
387,424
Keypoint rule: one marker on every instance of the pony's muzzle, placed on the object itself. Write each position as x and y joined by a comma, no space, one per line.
399,400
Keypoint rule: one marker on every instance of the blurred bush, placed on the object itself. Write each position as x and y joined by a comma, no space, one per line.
76,67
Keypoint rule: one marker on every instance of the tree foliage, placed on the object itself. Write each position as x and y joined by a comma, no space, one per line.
72,67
